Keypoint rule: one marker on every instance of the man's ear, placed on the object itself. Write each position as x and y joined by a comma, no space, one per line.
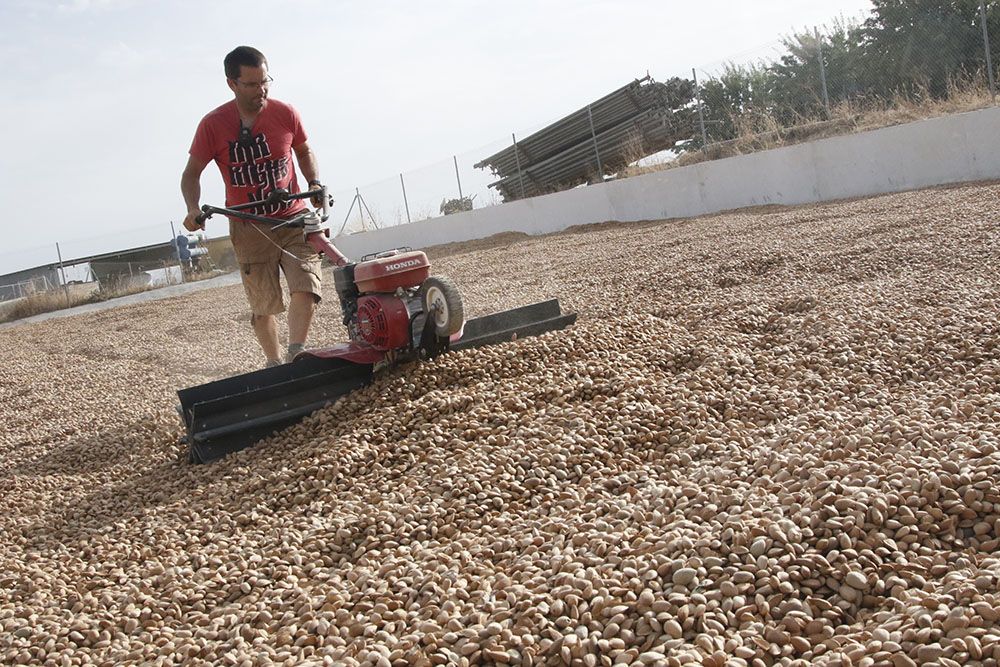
232,84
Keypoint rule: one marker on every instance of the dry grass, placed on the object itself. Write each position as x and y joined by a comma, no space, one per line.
965,93
57,299
762,131
79,295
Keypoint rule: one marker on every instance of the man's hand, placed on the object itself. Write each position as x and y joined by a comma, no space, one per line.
191,221
317,199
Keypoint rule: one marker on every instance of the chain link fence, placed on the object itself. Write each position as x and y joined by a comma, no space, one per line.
450,185
903,61
49,267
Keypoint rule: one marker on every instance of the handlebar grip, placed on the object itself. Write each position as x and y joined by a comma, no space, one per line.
326,204
206,213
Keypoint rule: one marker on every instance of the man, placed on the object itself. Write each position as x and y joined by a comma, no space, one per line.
251,138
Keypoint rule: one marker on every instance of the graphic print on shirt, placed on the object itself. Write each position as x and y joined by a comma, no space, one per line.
249,166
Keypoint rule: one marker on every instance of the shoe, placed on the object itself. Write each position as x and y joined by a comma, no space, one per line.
293,350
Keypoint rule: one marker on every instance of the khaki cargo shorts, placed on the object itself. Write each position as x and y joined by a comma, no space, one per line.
261,262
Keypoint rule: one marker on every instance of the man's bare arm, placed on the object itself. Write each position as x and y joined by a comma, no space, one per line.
191,191
307,161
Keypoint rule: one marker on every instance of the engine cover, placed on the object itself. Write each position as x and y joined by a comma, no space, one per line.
392,271
383,321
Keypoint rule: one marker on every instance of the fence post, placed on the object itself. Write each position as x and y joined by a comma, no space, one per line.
701,117
457,177
405,203
362,202
822,71
593,135
517,159
177,250
63,272
986,46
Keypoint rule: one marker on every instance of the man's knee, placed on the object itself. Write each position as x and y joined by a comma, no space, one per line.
307,297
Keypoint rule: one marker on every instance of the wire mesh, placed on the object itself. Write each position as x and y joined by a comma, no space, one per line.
899,58
451,184
38,268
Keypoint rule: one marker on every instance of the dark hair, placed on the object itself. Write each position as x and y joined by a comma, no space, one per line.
245,56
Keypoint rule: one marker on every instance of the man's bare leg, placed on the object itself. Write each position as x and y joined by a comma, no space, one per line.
266,329
301,307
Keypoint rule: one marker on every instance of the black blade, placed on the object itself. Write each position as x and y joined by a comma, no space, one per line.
231,414
507,325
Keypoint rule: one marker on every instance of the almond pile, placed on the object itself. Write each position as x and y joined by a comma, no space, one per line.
772,438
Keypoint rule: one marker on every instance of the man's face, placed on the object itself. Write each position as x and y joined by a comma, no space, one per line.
251,87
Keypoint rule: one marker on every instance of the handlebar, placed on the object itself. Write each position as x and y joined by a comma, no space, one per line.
315,235
275,197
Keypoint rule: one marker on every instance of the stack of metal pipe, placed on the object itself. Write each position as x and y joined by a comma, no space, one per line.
638,119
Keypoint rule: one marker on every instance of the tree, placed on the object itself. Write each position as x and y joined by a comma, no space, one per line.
904,47
924,43
740,90
798,78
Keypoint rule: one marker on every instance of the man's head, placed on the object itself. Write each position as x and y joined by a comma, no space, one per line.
246,74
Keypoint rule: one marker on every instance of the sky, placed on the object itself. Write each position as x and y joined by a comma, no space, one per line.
102,97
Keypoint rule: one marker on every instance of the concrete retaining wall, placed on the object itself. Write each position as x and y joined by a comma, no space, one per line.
950,149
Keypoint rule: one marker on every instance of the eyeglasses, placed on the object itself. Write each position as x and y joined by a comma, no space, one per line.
256,85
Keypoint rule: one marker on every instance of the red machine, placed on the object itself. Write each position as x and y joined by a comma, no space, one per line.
393,309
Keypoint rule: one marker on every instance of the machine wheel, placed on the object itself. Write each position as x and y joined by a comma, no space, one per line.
443,303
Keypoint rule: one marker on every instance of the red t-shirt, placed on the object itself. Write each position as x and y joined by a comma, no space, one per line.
259,162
